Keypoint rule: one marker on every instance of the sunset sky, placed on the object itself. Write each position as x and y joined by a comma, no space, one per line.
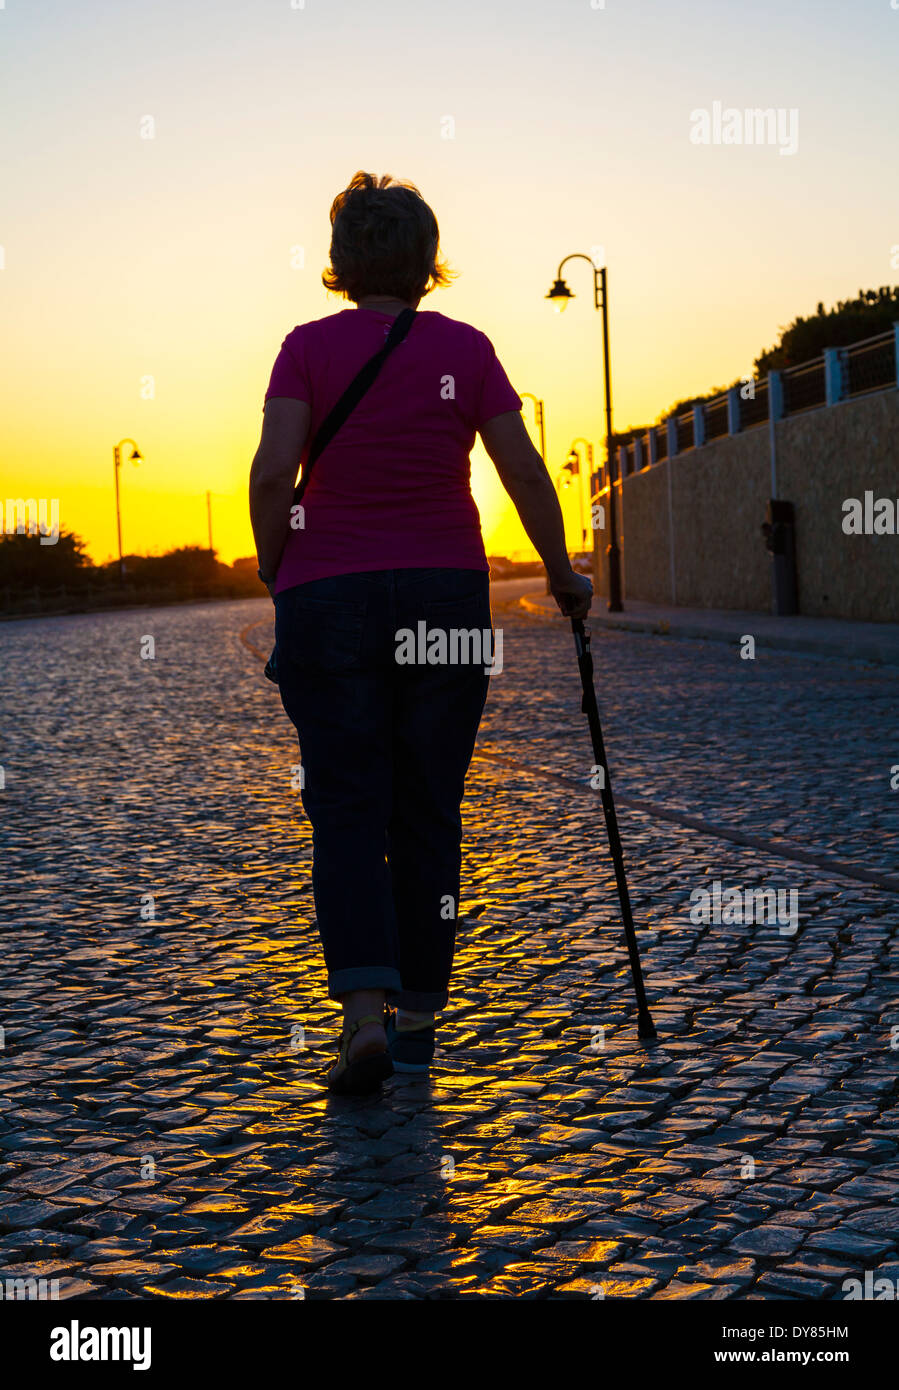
127,258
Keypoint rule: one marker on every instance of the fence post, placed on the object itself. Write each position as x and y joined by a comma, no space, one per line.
733,410
654,441
698,425
638,452
672,568
896,348
775,413
671,427
833,375
622,460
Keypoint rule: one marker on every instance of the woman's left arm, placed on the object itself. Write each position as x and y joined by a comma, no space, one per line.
285,425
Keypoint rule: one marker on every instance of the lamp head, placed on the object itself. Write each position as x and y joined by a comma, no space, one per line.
136,456
560,295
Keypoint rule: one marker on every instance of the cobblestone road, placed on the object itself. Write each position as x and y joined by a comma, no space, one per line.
161,1133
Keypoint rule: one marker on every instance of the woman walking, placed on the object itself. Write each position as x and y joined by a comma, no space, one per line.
387,538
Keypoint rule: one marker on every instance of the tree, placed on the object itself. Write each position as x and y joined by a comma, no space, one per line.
24,562
870,313
189,564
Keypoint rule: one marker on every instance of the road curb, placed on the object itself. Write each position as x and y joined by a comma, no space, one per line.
869,651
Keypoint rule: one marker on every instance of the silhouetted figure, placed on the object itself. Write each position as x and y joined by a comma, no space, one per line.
380,585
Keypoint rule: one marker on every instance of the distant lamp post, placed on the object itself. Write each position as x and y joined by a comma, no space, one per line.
562,481
574,458
540,416
136,456
572,466
560,295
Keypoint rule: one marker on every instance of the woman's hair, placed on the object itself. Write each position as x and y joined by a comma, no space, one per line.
384,240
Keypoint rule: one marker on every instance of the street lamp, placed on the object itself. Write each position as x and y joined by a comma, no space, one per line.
561,482
572,465
560,295
540,416
574,462
117,463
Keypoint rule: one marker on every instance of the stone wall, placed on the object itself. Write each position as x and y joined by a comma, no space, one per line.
717,499
824,457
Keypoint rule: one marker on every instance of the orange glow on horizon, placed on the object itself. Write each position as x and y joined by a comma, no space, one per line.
157,195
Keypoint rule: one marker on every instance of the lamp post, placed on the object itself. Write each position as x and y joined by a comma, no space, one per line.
574,458
560,295
540,416
572,465
116,465
560,483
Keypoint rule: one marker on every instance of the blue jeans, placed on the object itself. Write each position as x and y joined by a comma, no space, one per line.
385,747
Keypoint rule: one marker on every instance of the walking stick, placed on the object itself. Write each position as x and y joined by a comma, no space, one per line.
645,1025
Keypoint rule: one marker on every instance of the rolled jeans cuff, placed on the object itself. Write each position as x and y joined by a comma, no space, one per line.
363,977
419,1001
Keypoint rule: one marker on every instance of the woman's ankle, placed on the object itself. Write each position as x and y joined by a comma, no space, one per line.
362,1003
413,1018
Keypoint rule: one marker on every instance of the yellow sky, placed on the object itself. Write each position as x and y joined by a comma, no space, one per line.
169,258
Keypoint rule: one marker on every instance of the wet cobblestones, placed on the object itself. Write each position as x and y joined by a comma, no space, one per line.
162,1130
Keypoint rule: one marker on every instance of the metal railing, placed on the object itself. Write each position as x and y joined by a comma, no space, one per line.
870,365
804,388
837,375
754,410
685,436
716,418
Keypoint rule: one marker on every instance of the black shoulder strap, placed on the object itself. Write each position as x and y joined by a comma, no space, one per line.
352,396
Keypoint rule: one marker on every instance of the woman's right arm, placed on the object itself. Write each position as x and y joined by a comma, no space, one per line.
523,474
285,425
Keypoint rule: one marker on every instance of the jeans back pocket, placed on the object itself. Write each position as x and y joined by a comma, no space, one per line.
319,634
460,625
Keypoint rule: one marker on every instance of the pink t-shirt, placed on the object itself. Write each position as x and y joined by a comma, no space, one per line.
392,489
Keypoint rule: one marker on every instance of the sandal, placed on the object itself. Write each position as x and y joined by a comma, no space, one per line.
366,1071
